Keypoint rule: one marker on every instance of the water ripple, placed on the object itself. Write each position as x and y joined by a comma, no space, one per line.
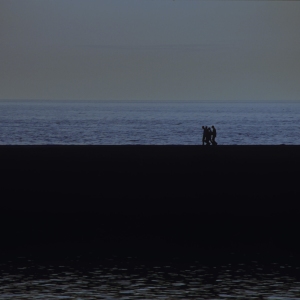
147,123
132,279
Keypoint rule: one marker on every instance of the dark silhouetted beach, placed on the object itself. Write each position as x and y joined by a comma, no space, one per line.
191,194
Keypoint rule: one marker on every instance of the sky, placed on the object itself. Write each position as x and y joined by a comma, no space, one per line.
149,50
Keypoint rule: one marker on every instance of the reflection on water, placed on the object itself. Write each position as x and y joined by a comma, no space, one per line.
131,278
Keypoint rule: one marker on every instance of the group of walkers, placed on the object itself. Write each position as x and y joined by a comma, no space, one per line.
209,136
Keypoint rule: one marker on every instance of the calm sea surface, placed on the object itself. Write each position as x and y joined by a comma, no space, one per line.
127,279
147,122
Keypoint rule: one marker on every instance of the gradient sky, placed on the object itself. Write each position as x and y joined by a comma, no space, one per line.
149,49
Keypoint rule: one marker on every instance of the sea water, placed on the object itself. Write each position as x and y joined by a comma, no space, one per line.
147,122
130,279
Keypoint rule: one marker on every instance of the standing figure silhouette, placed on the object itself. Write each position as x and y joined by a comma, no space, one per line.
203,135
214,134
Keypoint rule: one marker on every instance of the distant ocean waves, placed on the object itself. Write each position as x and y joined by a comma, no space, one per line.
147,122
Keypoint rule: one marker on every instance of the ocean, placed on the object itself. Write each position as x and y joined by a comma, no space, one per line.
147,122
81,270
131,279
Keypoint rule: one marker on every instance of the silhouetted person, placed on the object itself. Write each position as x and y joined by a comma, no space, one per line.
203,135
207,135
210,135
214,134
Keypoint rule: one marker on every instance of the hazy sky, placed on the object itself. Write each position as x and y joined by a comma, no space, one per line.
149,49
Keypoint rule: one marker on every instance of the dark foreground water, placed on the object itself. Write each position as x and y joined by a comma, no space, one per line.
147,122
88,276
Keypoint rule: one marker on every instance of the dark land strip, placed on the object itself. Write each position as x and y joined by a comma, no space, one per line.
150,195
